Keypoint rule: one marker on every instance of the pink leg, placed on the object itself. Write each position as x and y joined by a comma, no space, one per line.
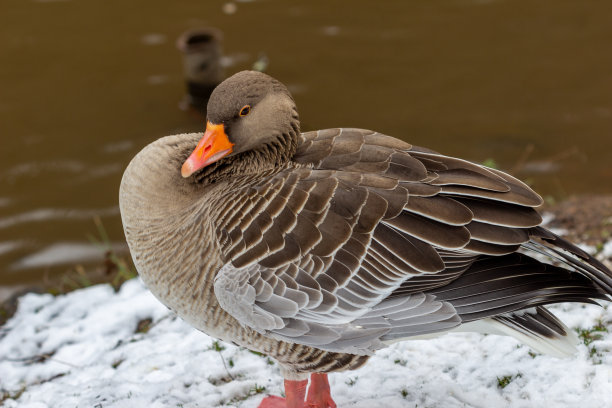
319,394
295,392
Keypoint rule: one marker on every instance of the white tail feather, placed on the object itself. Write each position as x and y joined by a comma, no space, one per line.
557,346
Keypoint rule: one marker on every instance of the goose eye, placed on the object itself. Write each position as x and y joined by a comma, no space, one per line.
246,109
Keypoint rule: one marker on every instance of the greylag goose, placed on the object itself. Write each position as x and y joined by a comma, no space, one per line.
320,248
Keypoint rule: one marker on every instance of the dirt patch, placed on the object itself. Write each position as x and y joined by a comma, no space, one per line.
586,219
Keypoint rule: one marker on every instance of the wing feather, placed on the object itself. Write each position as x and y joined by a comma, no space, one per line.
338,250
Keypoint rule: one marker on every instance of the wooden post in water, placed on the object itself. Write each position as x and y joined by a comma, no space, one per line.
201,49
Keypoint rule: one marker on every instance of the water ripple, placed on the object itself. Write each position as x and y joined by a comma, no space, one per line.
47,214
66,253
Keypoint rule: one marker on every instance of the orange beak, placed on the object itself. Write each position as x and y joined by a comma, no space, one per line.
213,146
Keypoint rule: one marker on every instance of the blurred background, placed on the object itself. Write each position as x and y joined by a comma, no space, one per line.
84,85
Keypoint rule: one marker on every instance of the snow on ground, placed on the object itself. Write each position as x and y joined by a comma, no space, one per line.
83,349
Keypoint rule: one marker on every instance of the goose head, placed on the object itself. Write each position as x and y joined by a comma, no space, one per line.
251,117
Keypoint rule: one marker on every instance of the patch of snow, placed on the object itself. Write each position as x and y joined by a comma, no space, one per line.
547,218
589,249
606,252
83,349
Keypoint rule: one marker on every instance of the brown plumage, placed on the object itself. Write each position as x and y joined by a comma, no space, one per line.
320,248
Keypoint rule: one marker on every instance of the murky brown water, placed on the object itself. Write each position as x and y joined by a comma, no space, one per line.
85,84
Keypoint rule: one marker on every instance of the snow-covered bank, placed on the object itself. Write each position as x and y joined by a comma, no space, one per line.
84,349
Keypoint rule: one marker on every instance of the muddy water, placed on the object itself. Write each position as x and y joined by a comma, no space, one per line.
85,84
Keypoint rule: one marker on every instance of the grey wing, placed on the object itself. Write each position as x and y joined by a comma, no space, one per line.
295,315
308,259
339,251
